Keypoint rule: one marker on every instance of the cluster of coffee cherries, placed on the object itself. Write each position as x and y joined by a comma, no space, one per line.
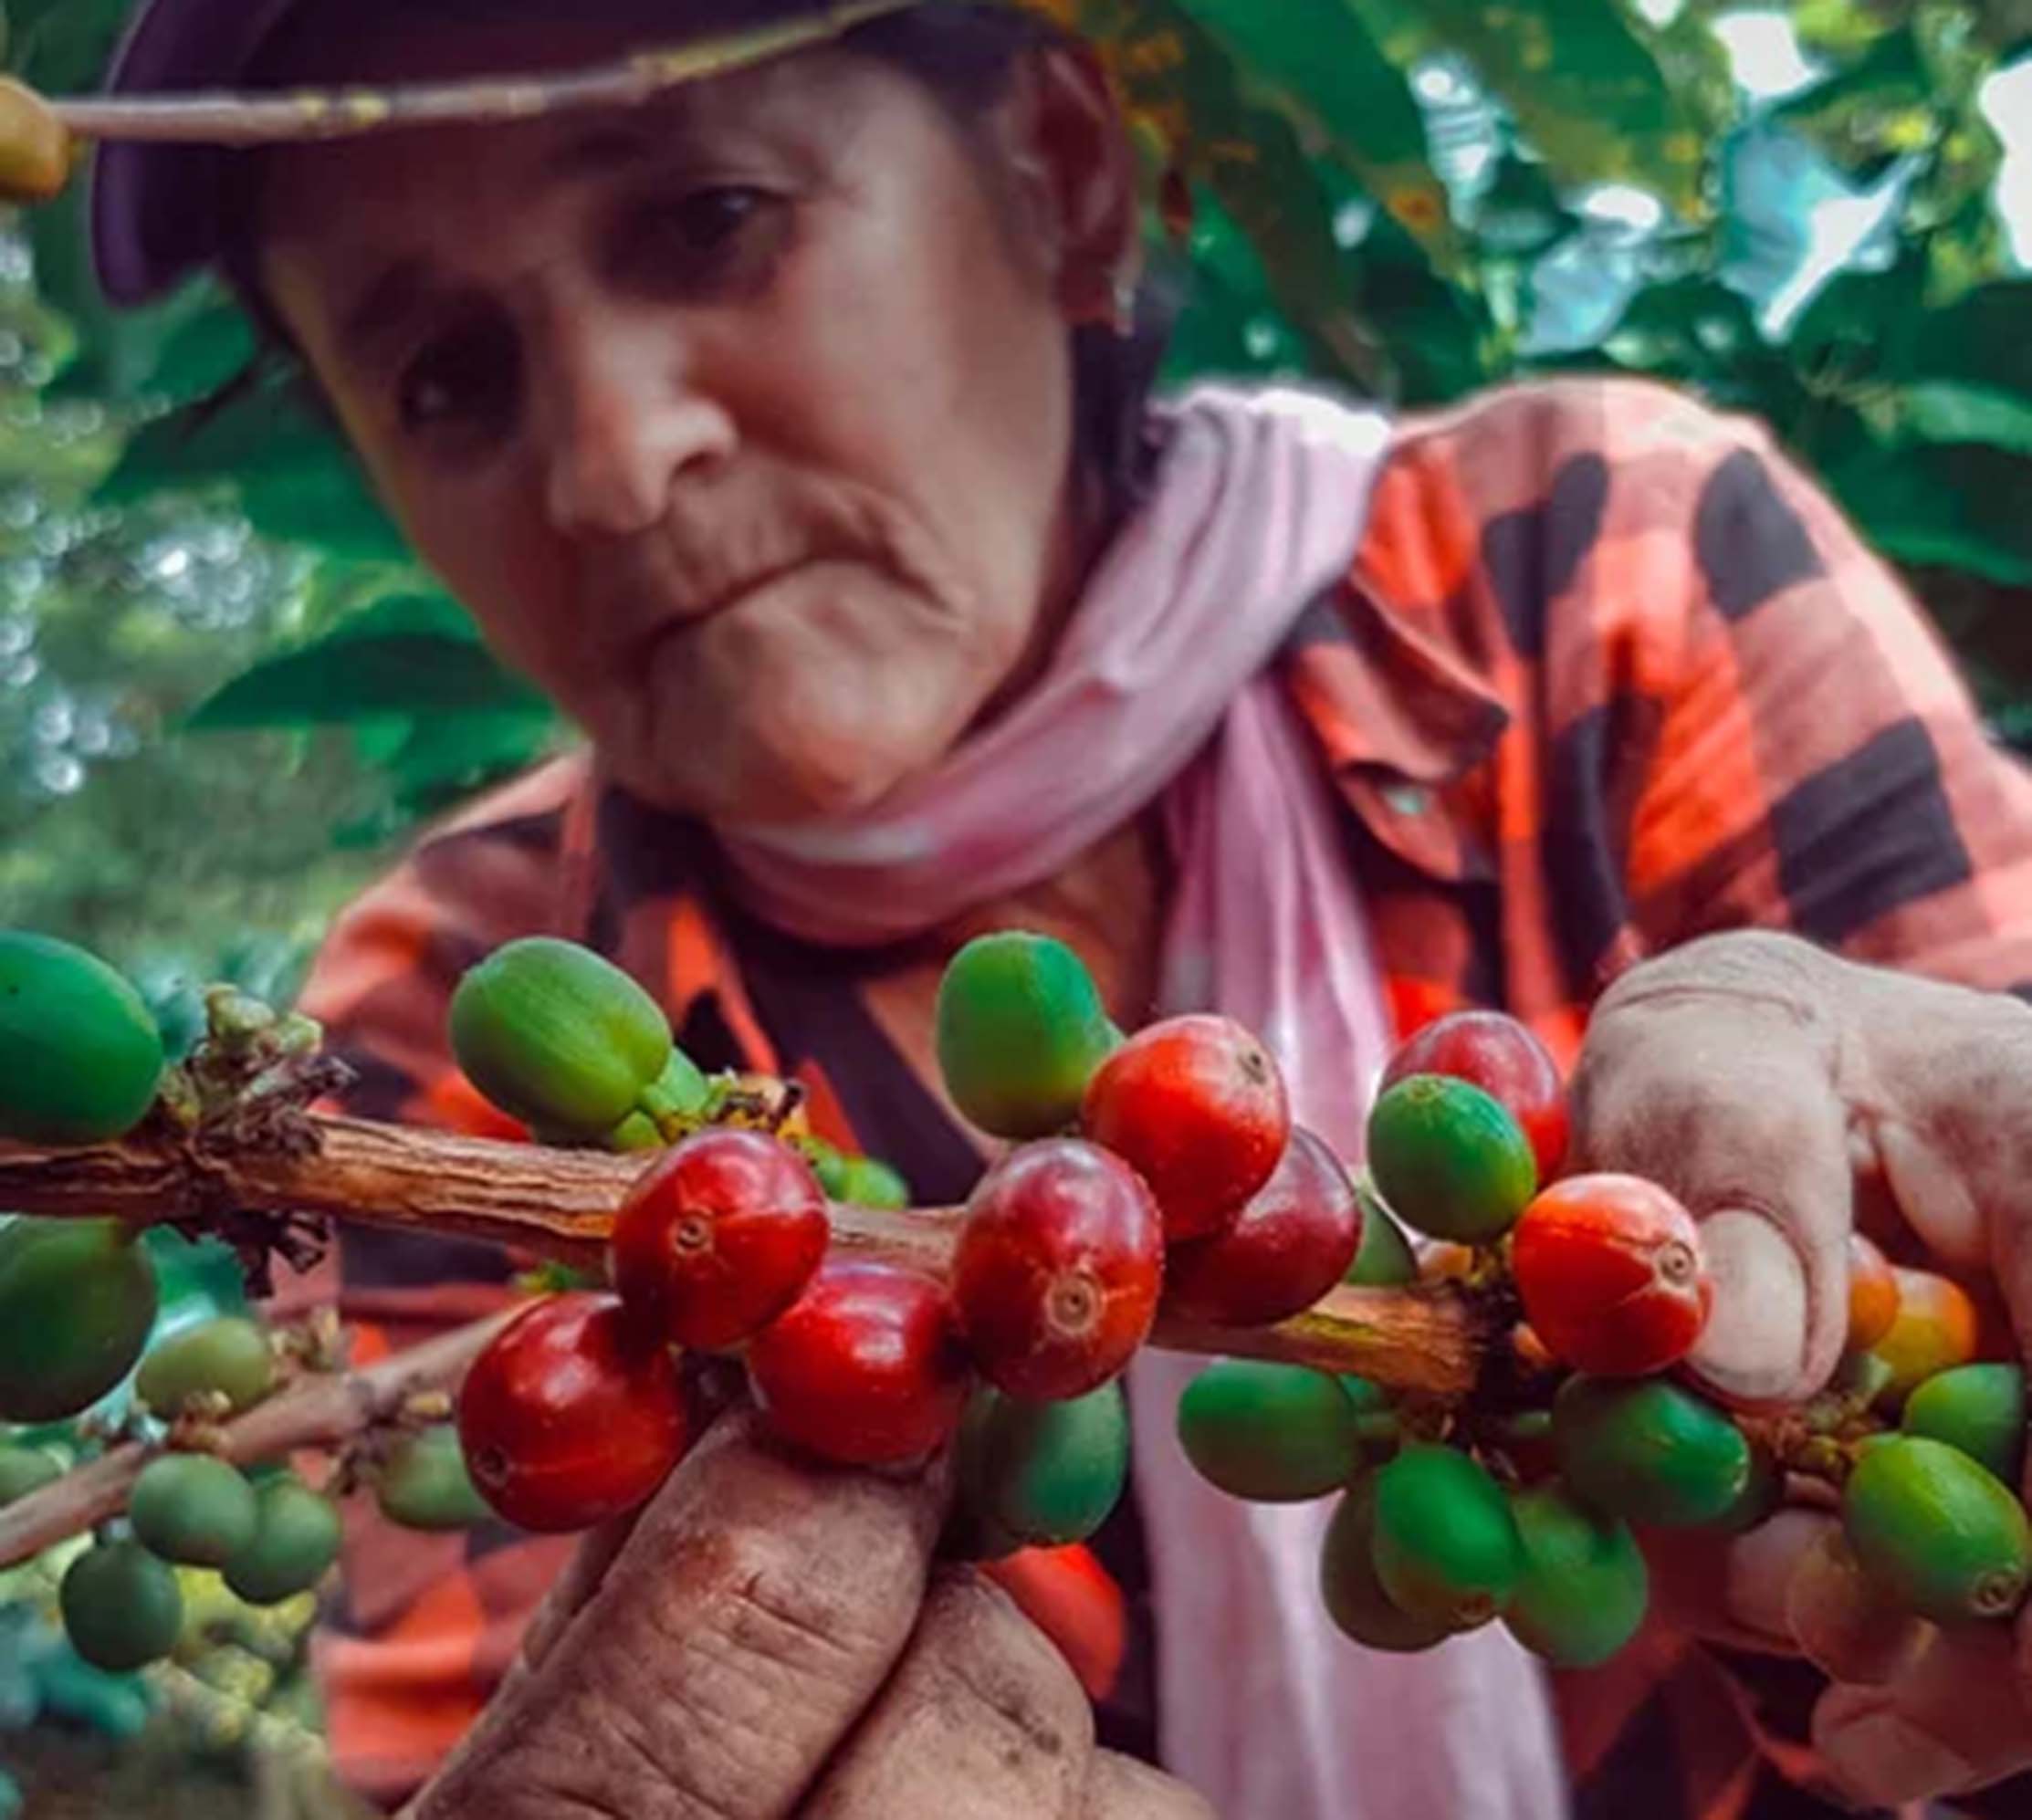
1165,1166
82,1305
125,1599
1170,1154
268,1535
1529,1500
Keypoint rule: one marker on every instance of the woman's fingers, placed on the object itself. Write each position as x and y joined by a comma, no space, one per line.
982,1720
1913,1711
1712,1070
1120,1788
759,1605
1956,1720
582,1577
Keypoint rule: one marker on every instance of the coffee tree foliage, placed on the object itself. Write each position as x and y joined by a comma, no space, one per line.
225,688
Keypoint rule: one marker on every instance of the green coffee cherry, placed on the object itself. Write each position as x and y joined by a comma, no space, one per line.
869,1182
121,1607
24,1469
1376,1418
295,1540
1937,1530
77,1301
230,1356
829,1163
1583,1588
1979,1409
1451,1159
1275,1434
1447,1548
1762,1495
1385,1259
80,1056
194,1509
424,1483
1044,1474
116,1707
637,1132
1019,1029
681,1090
1350,1590
1649,1452
559,1037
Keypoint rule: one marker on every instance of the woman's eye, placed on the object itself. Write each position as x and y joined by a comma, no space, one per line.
465,381
707,240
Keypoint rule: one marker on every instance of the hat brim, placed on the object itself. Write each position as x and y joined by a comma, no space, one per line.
154,208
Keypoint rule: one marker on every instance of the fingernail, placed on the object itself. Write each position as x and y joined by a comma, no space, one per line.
1886,1761
1754,1343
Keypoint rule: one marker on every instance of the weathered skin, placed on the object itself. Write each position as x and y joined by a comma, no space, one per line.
769,1638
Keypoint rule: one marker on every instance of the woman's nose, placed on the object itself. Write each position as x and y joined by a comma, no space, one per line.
626,434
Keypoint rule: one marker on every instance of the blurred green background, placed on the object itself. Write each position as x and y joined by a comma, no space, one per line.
227,696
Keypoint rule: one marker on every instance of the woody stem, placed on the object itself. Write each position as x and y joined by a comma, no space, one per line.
561,1204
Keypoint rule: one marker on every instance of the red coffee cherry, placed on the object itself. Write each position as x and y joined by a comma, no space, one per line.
1058,1268
568,1418
1507,1061
718,1237
1197,1107
867,1368
1611,1270
1293,1243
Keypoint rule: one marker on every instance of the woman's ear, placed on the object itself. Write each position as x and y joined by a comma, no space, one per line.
1064,138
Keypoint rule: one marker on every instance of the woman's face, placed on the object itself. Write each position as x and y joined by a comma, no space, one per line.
741,421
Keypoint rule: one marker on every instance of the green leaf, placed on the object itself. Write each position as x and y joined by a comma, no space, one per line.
1697,330
117,352
63,46
445,757
417,612
1521,214
1871,329
1182,86
1946,411
1842,27
1316,62
1881,107
292,475
1958,506
413,656
1601,96
212,345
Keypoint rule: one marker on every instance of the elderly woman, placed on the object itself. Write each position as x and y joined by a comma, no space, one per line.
794,433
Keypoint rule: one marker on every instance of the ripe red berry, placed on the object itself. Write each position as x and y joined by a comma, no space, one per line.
1611,1271
867,1368
1058,1268
1197,1107
718,1237
1503,1059
567,1418
1292,1243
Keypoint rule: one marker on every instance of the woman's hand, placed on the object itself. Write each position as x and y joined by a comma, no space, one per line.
769,1638
1785,1095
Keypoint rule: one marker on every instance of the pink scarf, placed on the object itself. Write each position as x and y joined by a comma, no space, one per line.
1163,688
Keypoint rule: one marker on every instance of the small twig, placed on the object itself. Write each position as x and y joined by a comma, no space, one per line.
322,1411
248,120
